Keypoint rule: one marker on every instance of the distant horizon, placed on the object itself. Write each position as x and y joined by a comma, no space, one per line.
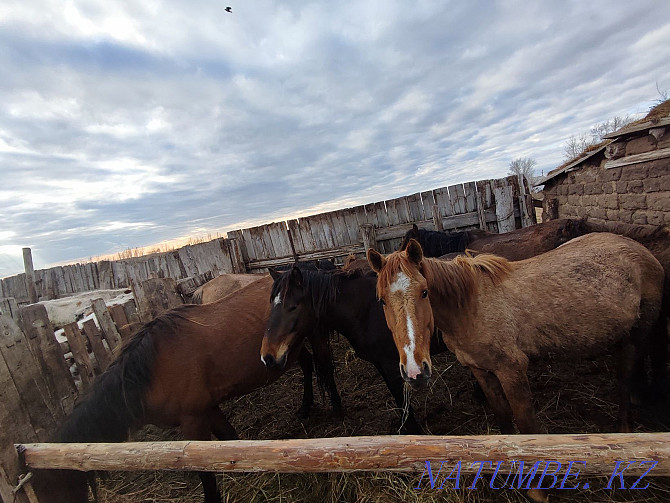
126,125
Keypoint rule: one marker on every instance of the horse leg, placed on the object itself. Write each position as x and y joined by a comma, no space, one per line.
198,428
659,357
395,384
514,382
307,366
628,358
496,397
221,427
325,370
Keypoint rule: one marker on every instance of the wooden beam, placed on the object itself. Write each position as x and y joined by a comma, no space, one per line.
80,354
637,158
103,356
106,324
30,275
396,453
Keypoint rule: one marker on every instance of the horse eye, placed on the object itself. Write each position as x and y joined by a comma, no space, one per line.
424,294
292,308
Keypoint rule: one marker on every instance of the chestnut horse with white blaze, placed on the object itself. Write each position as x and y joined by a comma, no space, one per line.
591,294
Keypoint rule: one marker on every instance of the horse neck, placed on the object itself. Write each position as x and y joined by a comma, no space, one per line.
351,303
453,287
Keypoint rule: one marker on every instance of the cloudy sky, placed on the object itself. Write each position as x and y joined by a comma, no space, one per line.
126,123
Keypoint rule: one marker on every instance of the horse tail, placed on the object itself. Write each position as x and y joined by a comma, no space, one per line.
115,403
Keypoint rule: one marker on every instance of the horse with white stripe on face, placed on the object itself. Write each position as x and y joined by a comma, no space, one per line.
594,293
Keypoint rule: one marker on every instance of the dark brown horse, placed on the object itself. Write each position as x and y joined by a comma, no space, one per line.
515,245
176,371
593,293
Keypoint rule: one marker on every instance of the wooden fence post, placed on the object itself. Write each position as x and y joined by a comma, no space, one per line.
369,236
80,354
103,356
12,412
27,376
106,324
236,255
526,209
30,275
503,194
437,218
8,307
48,353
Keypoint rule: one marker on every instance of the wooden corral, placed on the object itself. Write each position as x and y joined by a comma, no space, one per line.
497,205
624,179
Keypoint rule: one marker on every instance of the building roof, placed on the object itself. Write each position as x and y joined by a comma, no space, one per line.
572,165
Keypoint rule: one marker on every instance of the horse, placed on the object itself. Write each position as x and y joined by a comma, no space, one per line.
342,301
175,371
221,286
515,245
597,291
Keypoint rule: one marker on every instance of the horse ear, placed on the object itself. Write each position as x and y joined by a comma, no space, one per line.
376,260
274,273
415,228
414,251
296,276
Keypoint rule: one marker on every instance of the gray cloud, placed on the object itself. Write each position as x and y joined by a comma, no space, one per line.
126,126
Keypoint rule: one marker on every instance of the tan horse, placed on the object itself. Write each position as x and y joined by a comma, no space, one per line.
582,298
222,285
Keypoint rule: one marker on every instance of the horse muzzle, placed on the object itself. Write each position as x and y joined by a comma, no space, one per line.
420,380
273,363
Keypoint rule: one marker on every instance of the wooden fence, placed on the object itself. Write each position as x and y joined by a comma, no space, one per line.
37,388
498,205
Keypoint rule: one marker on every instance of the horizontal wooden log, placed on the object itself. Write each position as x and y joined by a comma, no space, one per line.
396,453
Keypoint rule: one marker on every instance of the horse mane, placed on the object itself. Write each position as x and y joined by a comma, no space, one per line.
116,401
453,280
322,285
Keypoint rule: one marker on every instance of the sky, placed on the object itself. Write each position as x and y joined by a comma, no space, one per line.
125,124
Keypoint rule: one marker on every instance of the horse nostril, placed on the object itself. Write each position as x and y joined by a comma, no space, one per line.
426,369
269,361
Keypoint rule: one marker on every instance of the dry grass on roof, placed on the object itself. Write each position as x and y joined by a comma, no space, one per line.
584,153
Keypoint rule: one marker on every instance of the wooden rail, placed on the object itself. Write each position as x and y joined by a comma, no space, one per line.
600,453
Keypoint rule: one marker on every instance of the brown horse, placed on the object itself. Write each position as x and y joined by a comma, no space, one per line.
515,245
222,285
176,371
593,293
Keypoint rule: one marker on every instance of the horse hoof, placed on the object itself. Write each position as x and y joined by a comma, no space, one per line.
538,495
303,412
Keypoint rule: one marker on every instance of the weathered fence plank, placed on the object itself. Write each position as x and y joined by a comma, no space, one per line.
103,355
39,331
27,377
397,453
80,354
504,199
106,324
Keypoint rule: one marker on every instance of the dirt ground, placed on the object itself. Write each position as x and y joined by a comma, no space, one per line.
569,398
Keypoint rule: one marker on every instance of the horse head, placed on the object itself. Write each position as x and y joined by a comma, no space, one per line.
291,317
402,290
413,233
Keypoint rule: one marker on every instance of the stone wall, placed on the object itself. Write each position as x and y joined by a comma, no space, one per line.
636,193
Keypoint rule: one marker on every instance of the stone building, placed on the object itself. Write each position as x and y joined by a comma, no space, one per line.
626,178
